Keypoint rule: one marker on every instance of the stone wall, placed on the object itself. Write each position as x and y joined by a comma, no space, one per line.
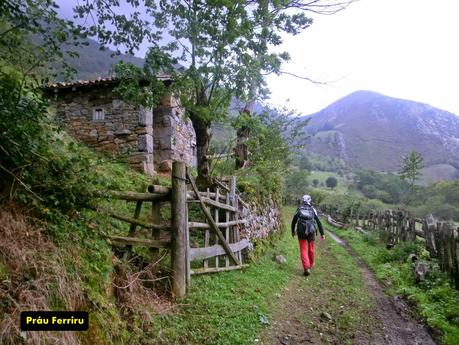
124,130
102,121
263,220
174,137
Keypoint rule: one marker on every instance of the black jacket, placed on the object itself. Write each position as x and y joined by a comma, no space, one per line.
316,218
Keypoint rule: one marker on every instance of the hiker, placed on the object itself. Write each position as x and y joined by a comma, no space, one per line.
304,219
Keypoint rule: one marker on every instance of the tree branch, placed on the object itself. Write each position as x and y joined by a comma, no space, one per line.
300,77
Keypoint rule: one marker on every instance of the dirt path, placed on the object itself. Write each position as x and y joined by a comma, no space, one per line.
341,303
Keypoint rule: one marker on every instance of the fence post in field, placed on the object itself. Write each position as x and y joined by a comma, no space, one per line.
456,257
179,245
386,228
429,232
438,238
412,228
401,227
446,248
234,202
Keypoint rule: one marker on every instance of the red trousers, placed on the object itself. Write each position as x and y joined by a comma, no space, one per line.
307,253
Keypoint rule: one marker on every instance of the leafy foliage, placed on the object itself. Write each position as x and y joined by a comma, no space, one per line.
32,35
296,184
411,168
440,199
385,187
21,108
137,86
331,182
270,150
226,46
435,300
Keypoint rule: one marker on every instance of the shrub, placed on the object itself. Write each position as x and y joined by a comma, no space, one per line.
331,182
22,133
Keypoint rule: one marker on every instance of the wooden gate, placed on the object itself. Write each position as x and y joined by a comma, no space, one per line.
215,237
216,243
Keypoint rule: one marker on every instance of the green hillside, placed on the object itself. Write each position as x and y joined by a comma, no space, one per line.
93,62
371,131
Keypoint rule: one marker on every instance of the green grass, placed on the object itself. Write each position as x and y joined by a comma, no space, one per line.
336,286
322,176
234,307
436,301
348,298
231,307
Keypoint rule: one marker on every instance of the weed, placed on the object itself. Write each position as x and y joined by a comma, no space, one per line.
436,301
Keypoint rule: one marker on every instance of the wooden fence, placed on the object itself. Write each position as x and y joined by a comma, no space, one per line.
441,238
216,250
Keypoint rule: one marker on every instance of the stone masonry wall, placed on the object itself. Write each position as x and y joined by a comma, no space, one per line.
125,129
263,220
174,137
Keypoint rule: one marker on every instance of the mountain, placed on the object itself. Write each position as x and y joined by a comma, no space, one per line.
94,62
371,131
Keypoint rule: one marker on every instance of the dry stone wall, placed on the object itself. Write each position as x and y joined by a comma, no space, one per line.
263,220
144,137
174,135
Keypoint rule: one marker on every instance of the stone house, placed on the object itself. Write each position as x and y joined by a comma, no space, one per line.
149,138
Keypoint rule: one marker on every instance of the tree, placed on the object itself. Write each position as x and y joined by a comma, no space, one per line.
410,170
268,14
23,137
224,46
315,182
331,182
296,183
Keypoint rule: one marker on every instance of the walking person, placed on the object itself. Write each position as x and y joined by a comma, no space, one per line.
304,220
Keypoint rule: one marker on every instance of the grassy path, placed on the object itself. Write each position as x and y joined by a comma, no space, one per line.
332,306
274,304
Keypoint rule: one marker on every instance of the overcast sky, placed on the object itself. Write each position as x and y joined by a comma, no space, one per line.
402,48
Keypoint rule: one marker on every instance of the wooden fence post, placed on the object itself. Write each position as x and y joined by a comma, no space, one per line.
155,233
429,233
179,245
412,228
234,202
456,257
448,241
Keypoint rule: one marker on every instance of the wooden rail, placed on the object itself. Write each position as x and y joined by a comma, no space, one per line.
195,271
212,251
198,225
221,212
122,241
132,196
441,238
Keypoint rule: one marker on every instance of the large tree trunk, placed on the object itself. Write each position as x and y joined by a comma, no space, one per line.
202,148
243,133
241,151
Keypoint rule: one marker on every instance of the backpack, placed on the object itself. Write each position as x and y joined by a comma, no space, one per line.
305,225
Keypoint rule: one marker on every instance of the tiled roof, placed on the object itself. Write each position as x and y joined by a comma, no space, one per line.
90,83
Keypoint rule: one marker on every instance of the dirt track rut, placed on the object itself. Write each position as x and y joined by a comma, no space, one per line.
299,317
398,326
